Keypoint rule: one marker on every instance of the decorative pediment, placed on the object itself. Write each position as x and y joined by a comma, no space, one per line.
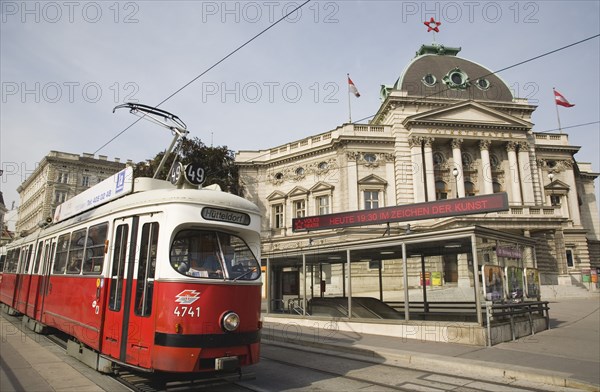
321,186
468,115
557,186
298,191
372,180
277,195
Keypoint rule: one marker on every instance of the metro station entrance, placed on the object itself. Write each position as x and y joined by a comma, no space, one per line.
448,276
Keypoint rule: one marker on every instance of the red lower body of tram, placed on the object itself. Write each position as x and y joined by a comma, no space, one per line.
182,326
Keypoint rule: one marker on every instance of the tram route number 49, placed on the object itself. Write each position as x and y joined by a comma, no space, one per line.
193,173
181,311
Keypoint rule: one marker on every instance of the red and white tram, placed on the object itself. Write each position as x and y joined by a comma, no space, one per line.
158,277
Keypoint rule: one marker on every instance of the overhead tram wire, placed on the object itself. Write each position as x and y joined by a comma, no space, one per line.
572,126
208,70
498,71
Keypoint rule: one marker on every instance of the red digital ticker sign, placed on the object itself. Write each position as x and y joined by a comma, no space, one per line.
409,212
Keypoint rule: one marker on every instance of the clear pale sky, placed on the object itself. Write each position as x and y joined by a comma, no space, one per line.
65,65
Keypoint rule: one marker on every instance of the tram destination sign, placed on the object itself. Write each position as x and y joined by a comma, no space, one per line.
409,212
217,214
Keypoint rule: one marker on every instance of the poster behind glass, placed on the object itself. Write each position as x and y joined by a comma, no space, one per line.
514,283
493,283
532,283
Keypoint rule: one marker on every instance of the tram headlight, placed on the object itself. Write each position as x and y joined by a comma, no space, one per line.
230,321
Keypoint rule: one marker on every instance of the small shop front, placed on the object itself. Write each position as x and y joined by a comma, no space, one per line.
447,285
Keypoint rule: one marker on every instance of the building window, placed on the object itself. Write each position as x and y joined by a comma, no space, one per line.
555,200
570,262
60,196
441,190
496,186
85,181
482,83
278,216
63,177
469,188
429,80
300,208
323,205
371,199
369,157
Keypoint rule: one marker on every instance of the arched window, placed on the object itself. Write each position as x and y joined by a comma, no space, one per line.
441,190
496,186
469,188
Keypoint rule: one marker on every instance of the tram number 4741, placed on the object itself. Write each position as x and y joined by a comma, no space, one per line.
181,311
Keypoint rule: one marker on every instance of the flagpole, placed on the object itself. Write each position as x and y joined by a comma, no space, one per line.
349,104
556,105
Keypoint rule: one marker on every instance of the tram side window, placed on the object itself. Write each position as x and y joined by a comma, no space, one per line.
22,261
94,251
38,258
12,260
29,258
62,252
118,267
146,268
76,251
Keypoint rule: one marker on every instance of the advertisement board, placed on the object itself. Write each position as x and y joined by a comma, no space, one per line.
532,283
514,283
493,283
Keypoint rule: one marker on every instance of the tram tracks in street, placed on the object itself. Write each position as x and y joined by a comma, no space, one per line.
302,367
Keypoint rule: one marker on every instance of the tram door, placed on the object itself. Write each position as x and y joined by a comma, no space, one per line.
44,285
129,328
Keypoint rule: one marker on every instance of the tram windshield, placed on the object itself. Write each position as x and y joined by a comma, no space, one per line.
215,255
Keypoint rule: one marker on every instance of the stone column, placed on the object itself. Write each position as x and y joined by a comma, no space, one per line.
526,174
459,181
416,155
513,177
352,195
429,172
572,195
488,184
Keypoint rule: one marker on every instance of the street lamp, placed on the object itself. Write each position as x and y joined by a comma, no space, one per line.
455,174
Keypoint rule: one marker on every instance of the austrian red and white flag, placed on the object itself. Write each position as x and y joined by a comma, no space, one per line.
561,100
352,88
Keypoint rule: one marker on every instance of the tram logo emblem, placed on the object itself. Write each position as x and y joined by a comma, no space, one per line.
187,297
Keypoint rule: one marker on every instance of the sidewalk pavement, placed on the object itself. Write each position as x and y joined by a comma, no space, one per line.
566,355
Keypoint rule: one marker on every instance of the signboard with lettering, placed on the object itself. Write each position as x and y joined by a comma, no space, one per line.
112,188
512,253
409,212
217,214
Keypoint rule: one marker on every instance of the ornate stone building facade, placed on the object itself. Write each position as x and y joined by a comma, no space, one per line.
58,177
448,128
